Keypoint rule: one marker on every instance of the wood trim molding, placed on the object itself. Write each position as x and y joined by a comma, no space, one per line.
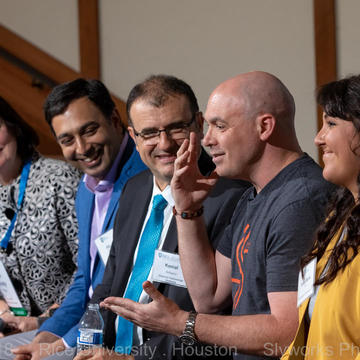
325,47
89,38
35,57
16,87
43,63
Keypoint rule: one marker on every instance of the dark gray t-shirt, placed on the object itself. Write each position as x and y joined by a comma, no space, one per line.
268,234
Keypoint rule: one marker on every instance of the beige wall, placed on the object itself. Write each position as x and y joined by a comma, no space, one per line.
52,25
203,42
207,41
348,33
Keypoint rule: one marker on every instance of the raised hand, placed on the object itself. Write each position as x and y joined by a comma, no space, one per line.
161,315
188,186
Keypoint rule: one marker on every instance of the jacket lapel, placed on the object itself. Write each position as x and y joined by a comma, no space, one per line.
85,219
127,169
301,333
140,200
171,243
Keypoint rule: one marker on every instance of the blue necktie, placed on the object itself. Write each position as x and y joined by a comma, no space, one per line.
144,260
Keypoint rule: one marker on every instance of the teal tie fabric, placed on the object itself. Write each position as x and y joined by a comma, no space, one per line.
144,260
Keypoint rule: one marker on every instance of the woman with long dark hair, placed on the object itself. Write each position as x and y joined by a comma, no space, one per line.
38,227
330,317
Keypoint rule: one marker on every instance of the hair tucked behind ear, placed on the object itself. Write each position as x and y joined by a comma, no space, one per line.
342,211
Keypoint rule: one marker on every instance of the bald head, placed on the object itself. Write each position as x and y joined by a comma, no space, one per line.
251,126
257,93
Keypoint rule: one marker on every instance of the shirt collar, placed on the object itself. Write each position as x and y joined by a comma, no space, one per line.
103,185
166,193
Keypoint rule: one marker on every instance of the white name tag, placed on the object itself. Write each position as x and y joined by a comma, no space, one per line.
167,269
103,244
306,286
7,289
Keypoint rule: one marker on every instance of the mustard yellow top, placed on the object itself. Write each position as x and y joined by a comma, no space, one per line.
334,331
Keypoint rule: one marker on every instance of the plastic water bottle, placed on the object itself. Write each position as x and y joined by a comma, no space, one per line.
91,329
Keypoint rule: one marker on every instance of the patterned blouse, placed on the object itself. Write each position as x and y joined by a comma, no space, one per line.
44,240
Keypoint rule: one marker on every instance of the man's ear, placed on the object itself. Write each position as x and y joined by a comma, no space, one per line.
116,119
265,126
132,133
199,121
133,136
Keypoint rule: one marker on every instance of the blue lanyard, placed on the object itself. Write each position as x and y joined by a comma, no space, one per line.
22,187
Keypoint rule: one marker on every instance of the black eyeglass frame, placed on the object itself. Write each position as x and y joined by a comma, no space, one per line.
156,133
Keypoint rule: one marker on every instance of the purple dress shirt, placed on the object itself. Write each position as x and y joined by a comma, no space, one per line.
102,191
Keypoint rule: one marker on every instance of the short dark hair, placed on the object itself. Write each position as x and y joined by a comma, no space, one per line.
341,99
62,95
157,88
25,135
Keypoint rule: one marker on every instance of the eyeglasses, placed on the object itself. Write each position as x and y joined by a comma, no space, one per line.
178,131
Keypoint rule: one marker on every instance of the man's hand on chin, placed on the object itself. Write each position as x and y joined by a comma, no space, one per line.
101,354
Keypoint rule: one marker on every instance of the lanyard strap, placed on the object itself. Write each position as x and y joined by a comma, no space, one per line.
22,187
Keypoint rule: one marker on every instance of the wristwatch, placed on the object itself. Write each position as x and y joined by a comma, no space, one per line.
188,336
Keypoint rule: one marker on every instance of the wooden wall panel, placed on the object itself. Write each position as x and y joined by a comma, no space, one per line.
325,47
16,87
35,57
89,38
16,84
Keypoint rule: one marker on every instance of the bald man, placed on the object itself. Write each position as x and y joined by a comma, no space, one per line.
251,136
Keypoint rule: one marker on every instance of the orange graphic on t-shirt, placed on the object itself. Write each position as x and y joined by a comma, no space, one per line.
240,251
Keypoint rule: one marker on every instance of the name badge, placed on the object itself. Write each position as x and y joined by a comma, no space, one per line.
167,269
103,244
7,289
306,282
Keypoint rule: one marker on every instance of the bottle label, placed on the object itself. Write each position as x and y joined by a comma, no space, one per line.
90,338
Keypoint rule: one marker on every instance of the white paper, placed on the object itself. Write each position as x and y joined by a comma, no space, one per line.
103,244
7,289
167,269
306,286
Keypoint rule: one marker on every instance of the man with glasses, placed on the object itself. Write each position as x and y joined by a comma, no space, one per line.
176,131
251,135
162,112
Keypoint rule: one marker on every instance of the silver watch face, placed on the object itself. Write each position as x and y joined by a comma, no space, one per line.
187,339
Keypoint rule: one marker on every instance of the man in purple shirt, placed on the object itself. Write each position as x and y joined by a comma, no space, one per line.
89,130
